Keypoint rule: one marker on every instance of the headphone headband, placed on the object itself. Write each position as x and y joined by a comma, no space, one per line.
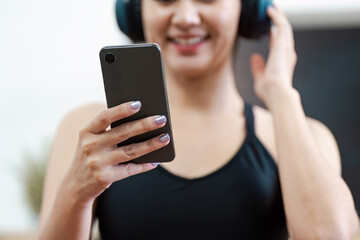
254,22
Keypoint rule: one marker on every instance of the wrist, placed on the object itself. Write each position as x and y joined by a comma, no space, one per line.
68,218
73,196
279,98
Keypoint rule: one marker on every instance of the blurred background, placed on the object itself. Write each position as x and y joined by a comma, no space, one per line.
49,65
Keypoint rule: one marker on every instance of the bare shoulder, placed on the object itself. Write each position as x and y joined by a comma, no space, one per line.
82,114
319,129
62,151
326,142
71,124
264,127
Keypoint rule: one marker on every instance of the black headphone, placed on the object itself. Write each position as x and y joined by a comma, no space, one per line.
254,21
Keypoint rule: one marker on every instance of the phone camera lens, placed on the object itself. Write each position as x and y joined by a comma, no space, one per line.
109,58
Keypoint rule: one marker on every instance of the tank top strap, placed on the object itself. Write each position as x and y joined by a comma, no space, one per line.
249,116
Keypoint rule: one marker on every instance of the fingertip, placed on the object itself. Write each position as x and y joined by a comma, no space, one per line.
160,120
277,8
253,60
257,65
256,56
276,11
135,105
256,59
164,138
150,166
270,9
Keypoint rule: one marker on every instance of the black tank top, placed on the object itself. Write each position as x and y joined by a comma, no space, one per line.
241,200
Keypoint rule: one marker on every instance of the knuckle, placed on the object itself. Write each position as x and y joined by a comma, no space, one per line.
141,168
82,133
102,180
103,118
87,147
145,124
295,56
93,164
292,57
129,151
121,111
123,156
131,169
123,131
151,145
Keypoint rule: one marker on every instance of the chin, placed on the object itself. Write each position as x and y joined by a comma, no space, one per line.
190,71
189,67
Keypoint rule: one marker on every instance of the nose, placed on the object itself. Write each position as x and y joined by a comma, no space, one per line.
186,14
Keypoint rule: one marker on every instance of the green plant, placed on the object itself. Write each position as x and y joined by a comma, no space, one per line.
33,174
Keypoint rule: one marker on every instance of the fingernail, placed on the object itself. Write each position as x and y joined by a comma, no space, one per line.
160,120
165,138
135,105
155,163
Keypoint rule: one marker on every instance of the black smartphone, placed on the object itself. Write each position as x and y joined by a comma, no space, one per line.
135,72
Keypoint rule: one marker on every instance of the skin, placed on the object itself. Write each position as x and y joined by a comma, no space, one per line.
201,86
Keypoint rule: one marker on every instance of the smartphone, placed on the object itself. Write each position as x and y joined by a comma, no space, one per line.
135,72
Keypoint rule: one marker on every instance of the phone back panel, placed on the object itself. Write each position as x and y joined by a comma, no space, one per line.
137,74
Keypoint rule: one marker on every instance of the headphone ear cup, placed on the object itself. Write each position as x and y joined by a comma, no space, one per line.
128,16
254,21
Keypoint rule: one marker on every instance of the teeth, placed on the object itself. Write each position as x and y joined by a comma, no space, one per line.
188,41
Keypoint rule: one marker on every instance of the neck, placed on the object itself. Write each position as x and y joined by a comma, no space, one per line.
211,93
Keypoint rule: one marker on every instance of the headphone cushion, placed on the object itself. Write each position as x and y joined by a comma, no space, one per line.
254,21
128,15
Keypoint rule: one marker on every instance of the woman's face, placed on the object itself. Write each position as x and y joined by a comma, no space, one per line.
195,36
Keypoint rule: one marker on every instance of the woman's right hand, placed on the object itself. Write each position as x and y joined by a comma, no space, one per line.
95,165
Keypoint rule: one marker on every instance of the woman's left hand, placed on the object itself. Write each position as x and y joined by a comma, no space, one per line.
273,80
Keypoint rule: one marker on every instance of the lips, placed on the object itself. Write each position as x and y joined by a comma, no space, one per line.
188,44
188,40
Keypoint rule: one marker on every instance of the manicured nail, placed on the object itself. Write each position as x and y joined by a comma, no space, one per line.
155,163
135,105
160,120
165,138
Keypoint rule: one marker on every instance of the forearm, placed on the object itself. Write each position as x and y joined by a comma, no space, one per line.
67,220
317,200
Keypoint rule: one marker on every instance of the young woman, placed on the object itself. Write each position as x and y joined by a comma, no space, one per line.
240,171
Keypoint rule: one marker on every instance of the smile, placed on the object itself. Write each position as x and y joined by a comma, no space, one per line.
188,44
189,41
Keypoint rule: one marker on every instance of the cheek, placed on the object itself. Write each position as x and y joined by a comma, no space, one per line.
148,27
154,25
226,21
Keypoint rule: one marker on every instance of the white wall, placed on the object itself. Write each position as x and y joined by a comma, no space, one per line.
49,64
306,14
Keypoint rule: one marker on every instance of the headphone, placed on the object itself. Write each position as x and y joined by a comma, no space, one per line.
254,21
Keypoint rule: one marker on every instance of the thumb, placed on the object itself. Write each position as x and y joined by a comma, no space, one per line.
257,66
